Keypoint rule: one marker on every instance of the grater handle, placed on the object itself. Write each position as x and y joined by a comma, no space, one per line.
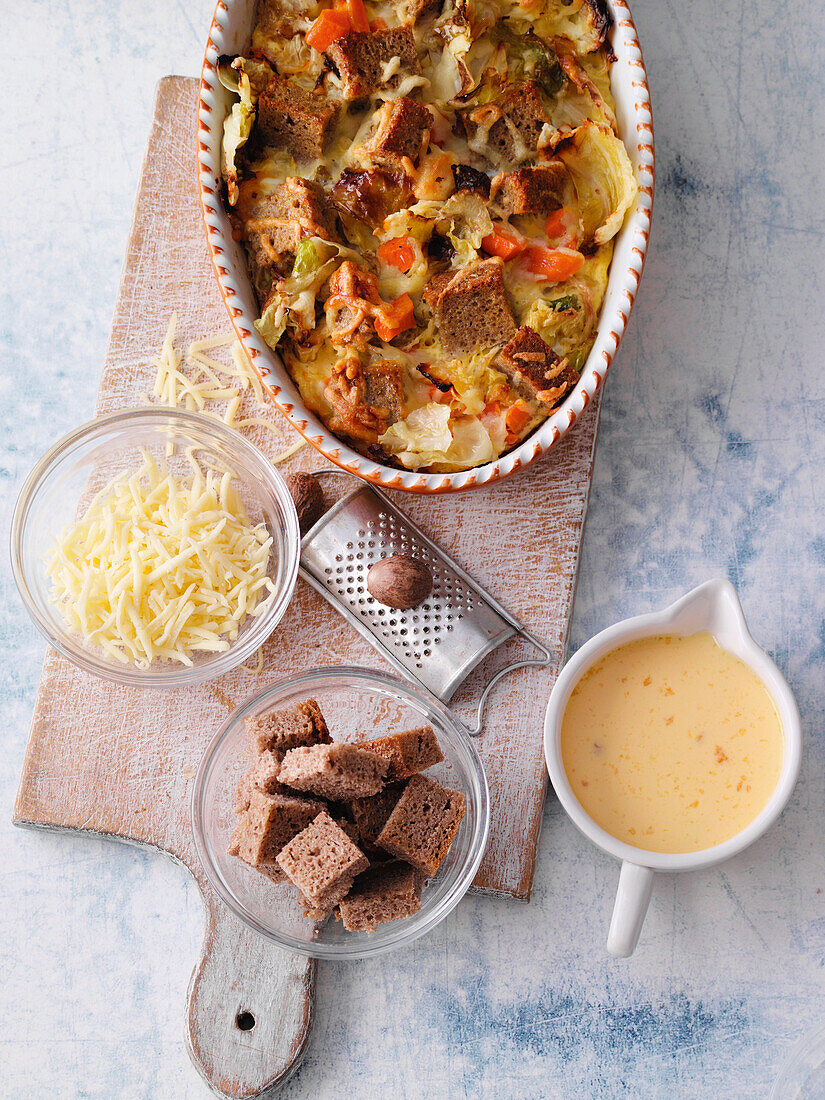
475,729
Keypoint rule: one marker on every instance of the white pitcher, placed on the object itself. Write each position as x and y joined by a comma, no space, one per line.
713,607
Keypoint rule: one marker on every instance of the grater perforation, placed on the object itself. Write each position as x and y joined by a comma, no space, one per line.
437,643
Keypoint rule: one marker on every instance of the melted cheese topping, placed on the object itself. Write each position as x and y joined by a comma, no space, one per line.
158,568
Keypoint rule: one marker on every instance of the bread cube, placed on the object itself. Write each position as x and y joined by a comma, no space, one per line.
471,307
371,813
381,894
291,118
337,771
515,134
362,59
534,370
408,752
536,190
262,776
281,730
423,824
322,862
271,821
400,128
274,224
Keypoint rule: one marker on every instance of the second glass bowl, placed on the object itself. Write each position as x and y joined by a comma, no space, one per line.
358,705
86,460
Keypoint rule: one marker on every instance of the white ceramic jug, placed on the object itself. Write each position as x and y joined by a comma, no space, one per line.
713,607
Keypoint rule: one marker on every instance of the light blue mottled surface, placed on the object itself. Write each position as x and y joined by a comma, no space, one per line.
711,460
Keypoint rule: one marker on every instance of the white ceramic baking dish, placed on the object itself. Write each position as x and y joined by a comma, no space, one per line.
230,32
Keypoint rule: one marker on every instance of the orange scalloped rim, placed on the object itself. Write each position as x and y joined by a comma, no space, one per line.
231,24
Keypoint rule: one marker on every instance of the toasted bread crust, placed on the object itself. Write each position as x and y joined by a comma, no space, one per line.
360,59
471,309
536,190
293,119
534,369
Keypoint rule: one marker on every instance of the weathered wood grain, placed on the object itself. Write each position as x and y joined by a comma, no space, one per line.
120,762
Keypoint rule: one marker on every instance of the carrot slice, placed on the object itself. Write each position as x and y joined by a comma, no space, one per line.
499,243
398,253
329,26
556,225
553,264
517,418
358,16
395,318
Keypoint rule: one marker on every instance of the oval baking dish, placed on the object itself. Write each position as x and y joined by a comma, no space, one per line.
231,28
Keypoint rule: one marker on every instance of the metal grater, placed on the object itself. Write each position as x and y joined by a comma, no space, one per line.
437,643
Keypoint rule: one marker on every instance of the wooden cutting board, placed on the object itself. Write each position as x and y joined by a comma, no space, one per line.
118,762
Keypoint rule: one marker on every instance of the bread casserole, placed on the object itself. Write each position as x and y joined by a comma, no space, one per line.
427,197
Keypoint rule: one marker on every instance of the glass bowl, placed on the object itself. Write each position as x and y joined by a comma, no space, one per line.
359,705
85,461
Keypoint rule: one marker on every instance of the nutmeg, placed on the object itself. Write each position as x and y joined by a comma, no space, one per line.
400,581
308,495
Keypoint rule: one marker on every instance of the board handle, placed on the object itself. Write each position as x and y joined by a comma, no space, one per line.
249,1006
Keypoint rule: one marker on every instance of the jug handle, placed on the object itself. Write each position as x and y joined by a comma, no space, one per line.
629,909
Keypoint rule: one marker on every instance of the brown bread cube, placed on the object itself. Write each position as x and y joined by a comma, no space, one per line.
408,752
274,224
521,108
400,128
423,824
338,771
264,773
471,309
361,58
293,119
235,840
262,776
534,369
371,813
271,821
536,190
384,389
281,730
381,894
322,862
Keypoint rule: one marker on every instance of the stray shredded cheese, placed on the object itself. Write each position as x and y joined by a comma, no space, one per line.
209,380
160,568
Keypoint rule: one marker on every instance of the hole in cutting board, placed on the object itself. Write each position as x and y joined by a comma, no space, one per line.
245,1021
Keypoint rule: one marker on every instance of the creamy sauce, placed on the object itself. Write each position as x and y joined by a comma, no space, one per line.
671,743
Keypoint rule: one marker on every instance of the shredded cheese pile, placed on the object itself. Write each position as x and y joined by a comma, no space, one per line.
210,381
159,568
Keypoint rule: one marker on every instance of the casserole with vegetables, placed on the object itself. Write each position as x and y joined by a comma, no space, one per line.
427,194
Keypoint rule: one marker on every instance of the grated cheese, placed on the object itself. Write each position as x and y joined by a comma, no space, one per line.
212,380
161,568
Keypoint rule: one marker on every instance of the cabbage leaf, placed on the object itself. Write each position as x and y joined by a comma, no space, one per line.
246,78
603,177
428,437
